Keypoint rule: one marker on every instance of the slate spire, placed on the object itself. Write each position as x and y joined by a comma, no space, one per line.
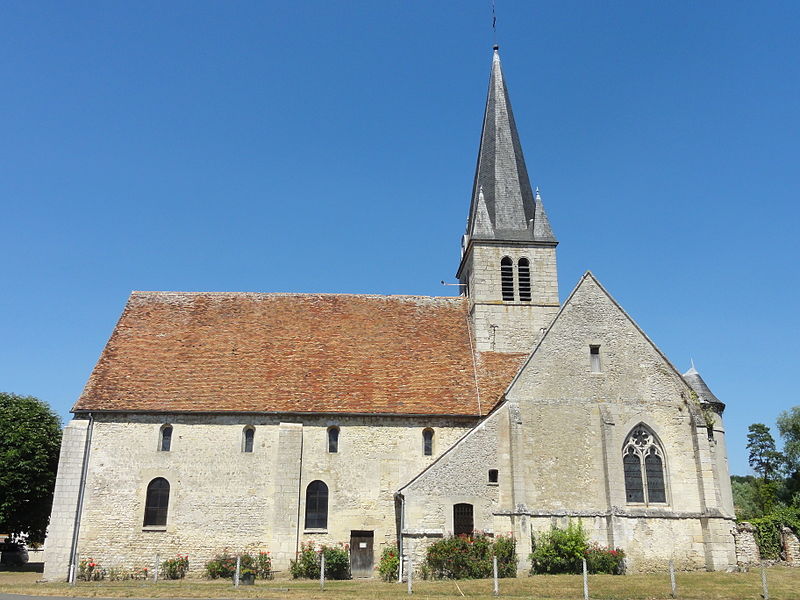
503,204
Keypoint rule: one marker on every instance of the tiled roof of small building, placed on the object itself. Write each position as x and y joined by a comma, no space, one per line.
328,353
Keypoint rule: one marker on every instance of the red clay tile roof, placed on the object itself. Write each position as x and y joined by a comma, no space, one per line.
211,352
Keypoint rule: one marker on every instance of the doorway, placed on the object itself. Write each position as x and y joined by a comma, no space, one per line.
361,556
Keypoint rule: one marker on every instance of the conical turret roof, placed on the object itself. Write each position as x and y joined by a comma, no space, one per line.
692,377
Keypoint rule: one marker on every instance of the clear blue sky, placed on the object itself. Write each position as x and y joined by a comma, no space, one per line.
330,147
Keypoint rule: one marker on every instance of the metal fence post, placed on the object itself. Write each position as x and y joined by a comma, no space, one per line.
322,570
238,570
409,574
674,593
496,583
585,581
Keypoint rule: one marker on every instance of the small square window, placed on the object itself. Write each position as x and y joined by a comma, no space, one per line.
594,358
492,475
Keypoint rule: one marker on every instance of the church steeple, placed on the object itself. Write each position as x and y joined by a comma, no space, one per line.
508,254
503,205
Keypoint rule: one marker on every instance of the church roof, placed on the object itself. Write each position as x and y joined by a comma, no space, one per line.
295,353
503,204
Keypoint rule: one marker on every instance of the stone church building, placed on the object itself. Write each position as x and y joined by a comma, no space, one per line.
252,421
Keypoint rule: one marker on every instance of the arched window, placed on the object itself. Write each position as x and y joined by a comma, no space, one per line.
157,502
524,278
463,523
248,436
507,279
317,505
643,465
333,439
427,441
165,438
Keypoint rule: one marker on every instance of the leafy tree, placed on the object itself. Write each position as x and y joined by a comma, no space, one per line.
30,438
789,428
764,458
744,497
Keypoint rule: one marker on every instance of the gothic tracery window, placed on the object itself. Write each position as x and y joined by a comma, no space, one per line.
643,467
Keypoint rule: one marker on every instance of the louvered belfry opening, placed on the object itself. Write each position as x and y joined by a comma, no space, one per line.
507,279
524,271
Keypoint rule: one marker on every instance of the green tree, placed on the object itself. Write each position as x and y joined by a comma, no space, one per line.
30,438
764,458
789,428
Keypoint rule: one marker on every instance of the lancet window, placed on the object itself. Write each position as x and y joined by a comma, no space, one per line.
507,279
524,278
643,465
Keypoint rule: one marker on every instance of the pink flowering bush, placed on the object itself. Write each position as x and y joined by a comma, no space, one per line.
175,568
601,559
470,557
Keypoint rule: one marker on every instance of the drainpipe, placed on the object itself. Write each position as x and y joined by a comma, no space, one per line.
400,535
73,553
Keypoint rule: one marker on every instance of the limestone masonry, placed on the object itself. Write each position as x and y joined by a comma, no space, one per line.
258,422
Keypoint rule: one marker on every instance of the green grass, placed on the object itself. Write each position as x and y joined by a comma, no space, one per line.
784,584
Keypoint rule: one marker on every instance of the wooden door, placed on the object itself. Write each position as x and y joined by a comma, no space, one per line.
361,557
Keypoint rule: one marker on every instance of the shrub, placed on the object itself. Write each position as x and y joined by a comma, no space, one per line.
505,549
223,566
563,551
90,570
559,550
390,563
337,562
263,565
600,559
470,557
768,530
175,568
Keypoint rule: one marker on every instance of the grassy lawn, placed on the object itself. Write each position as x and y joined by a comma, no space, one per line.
784,584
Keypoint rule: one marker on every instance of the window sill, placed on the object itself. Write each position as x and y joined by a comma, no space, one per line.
154,528
315,530
493,483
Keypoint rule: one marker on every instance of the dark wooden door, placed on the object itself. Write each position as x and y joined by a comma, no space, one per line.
361,557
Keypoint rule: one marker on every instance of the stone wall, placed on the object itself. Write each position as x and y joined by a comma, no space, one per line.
791,547
747,553
510,326
221,497
558,444
65,501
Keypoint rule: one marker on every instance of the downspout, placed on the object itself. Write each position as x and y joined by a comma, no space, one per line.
76,527
299,494
400,536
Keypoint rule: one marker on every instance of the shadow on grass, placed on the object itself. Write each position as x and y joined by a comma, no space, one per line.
33,567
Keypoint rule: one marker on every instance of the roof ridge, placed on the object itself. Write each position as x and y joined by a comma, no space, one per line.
288,294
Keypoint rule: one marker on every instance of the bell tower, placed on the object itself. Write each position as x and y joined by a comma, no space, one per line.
508,253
